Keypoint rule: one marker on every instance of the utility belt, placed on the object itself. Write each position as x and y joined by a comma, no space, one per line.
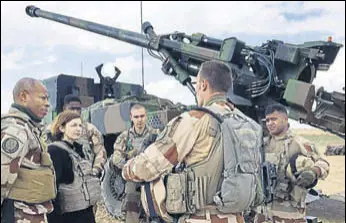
34,185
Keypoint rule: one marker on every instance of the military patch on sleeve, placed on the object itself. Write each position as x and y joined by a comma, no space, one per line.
10,145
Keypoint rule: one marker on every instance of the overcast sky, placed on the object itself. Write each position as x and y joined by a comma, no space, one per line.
40,48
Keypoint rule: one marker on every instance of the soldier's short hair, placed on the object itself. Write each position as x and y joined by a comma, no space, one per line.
275,107
136,106
24,84
61,120
218,75
71,97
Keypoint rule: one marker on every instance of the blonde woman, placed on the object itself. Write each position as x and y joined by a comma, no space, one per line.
78,188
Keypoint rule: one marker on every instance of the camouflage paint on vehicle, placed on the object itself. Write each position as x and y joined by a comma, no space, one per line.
261,74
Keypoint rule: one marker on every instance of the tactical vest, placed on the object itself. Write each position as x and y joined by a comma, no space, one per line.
85,190
136,142
34,185
285,189
202,181
208,172
227,181
132,198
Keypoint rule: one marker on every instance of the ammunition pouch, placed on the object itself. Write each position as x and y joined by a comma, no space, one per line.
46,160
34,186
294,194
282,190
180,190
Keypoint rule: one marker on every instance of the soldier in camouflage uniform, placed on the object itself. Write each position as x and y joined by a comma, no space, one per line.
298,164
91,139
188,139
27,173
129,144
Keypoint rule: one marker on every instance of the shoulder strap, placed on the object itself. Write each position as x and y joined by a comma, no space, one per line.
127,141
218,117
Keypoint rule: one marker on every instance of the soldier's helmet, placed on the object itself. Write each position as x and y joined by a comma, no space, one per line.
296,165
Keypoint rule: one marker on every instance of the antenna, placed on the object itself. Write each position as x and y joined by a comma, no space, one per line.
142,47
81,68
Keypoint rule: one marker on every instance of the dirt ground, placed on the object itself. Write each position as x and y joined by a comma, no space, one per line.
334,183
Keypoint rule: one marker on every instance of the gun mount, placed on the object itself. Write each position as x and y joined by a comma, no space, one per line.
275,72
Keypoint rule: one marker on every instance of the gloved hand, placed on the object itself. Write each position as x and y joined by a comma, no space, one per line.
307,178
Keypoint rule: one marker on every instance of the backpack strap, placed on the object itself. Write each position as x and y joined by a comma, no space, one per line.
218,117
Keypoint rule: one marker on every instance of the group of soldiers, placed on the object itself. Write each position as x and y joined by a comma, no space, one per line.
27,174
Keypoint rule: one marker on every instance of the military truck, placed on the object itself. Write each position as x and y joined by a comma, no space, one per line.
107,104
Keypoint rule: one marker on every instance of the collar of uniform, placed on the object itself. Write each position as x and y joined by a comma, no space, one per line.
216,98
133,131
287,135
24,113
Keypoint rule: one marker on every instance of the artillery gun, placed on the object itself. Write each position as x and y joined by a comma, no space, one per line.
275,72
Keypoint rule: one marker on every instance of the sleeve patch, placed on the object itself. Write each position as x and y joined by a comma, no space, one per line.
10,145
197,114
308,148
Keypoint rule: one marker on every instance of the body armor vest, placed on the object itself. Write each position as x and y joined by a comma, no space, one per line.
34,185
285,189
85,189
207,173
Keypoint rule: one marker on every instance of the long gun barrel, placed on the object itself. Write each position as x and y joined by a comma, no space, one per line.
275,72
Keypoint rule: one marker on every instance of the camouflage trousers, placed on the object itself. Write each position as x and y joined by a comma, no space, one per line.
103,216
213,218
21,217
260,218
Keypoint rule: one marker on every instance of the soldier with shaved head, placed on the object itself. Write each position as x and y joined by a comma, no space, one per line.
27,173
129,144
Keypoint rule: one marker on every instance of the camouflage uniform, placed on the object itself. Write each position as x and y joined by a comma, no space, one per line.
128,145
23,147
93,147
187,138
280,150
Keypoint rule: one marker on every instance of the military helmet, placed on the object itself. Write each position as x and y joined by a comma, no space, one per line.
297,164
